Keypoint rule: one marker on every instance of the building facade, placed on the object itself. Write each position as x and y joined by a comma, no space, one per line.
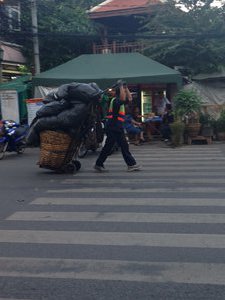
119,21
13,61
120,25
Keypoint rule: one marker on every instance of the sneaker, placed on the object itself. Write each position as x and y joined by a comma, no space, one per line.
134,168
100,169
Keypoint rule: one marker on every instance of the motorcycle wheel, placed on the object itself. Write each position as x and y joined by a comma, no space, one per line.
77,164
20,149
69,168
82,151
93,149
3,148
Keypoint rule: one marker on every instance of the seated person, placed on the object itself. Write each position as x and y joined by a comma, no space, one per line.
152,124
138,117
136,114
135,128
167,119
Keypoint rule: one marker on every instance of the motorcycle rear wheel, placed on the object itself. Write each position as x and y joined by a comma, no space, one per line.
82,151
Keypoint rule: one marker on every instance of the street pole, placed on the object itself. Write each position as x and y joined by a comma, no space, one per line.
35,36
1,61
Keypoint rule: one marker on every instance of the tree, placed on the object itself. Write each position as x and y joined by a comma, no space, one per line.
63,27
197,31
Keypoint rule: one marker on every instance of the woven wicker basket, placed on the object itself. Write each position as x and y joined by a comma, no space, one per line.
55,149
55,137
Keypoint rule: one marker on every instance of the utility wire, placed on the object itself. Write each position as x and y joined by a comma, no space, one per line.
122,36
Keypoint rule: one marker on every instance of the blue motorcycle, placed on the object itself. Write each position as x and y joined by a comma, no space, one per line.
12,137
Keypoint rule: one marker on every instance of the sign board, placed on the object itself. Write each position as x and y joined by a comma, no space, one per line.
33,105
9,105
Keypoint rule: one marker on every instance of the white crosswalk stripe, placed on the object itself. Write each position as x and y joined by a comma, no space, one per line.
184,180
113,239
111,270
118,217
196,189
130,201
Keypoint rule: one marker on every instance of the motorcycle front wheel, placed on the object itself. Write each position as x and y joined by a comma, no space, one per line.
3,148
82,150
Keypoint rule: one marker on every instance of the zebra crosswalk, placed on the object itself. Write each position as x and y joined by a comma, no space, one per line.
154,234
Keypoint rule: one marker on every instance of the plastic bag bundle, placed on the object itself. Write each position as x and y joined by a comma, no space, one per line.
64,109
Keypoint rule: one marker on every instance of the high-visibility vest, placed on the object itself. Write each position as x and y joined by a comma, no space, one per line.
121,112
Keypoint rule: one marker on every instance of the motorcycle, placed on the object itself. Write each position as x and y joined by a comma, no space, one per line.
92,136
12,137
92,139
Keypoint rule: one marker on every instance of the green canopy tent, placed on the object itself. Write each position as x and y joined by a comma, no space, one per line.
106,69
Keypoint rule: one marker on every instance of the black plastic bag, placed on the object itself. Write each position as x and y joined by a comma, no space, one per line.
52,108
66,120
50,97
84,92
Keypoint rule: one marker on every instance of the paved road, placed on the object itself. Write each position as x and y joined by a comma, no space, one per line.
154,234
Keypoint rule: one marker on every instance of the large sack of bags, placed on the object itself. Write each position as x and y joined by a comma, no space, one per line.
64,110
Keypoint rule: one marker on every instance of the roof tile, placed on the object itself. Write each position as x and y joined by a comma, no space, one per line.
114,5
13,54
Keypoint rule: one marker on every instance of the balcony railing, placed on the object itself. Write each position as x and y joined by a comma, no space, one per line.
116,47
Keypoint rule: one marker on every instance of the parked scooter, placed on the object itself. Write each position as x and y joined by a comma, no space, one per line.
12,137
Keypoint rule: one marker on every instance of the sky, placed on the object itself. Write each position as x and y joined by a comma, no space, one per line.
217,2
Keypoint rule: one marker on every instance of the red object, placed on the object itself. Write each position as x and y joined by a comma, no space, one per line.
122,7
34,100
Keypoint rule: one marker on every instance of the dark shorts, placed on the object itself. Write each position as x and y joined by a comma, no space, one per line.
134,130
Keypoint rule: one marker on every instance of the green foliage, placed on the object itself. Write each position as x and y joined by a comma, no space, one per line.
186,103
62,16
177,129
220,123
206,119
199,53
23,69
64,30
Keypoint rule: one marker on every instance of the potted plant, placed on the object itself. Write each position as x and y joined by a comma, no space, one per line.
177,129
187,105
220,126
177,132
207,124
